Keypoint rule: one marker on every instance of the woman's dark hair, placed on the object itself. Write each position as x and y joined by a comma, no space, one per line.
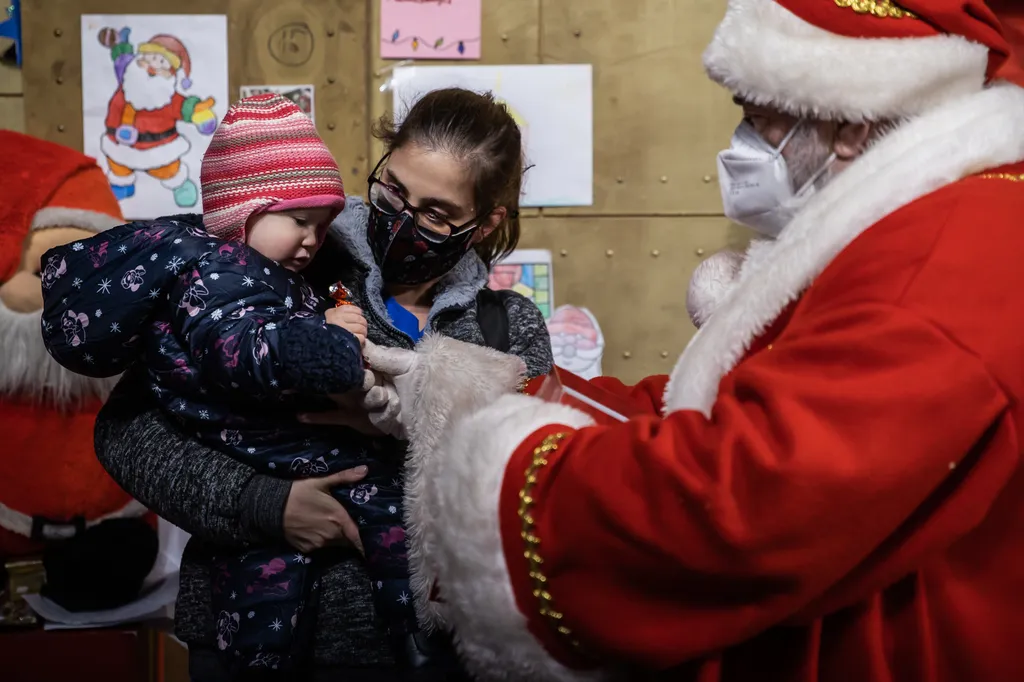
476,129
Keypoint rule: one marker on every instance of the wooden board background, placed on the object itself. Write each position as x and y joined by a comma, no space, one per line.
658,124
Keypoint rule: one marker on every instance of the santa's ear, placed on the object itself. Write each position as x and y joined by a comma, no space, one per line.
851,140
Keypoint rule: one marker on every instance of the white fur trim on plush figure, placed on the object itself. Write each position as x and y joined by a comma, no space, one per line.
460,539
958,139
74,217
768,55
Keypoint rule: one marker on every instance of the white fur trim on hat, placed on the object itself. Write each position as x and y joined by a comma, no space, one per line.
767,55
56,216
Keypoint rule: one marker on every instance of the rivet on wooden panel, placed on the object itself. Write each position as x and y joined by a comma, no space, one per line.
620,180
330,79
655,253
330,33
60,128
627,355
577,33
664,178
609,253
700,253
664,354
57,32
563,253
330,126
707,179
59,80
504,37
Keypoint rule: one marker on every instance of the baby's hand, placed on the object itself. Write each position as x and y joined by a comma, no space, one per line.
351,318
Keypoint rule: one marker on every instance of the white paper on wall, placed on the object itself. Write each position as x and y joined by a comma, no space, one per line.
553,105
153,89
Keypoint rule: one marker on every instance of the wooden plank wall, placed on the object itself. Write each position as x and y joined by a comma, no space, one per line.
12,103
658,124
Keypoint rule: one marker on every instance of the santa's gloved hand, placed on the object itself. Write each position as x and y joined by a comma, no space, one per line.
203,117
380,400
442,379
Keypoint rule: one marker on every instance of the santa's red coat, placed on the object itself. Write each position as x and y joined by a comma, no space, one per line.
828,488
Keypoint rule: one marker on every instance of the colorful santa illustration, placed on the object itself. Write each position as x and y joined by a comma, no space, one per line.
143,115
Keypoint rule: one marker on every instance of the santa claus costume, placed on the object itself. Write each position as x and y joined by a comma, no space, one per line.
829,486
142,116
53,490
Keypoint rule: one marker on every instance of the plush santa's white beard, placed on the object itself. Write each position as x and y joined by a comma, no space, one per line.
143,91
28,373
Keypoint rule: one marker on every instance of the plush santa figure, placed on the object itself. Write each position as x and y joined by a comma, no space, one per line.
829,486
142,116
54,495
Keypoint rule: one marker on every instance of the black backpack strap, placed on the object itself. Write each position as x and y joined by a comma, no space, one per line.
492,316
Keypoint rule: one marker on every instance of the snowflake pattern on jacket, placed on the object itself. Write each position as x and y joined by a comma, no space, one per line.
234,346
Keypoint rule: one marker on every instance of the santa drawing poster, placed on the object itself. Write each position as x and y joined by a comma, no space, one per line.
153,90
577,342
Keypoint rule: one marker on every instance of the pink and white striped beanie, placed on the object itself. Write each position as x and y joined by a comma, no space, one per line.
266,156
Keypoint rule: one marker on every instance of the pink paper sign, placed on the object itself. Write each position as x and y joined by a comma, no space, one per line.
430,29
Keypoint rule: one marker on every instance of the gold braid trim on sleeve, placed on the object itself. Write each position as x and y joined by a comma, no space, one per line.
883,9
529,535
1003,176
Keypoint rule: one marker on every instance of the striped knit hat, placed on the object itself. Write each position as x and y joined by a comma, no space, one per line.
266,156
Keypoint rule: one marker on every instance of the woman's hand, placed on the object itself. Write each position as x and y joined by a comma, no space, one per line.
313,518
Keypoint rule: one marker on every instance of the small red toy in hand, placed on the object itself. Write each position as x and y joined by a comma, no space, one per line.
341,295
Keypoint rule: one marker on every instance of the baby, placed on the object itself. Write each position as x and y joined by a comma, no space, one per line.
234,344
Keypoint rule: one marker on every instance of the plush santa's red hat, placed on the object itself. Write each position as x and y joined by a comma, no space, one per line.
856,59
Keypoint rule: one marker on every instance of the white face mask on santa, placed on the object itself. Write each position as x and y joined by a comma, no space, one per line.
757,188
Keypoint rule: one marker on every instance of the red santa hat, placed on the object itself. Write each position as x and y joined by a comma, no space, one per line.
856,59
174,51
43,185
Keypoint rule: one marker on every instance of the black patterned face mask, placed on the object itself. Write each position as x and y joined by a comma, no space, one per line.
405,256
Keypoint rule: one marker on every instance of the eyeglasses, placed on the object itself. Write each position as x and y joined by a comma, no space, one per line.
431,225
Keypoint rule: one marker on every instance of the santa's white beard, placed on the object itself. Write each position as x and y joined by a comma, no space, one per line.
143,91
28,373
806,154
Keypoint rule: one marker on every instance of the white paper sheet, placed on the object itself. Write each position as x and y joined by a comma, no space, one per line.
159,591
553,104
173,58
151,605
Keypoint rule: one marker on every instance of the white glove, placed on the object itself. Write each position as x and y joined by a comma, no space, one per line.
380,398
443,379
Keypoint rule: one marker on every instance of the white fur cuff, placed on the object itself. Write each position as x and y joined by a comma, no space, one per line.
74,217
455,538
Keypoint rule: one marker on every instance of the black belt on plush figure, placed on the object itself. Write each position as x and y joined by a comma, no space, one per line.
147,137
